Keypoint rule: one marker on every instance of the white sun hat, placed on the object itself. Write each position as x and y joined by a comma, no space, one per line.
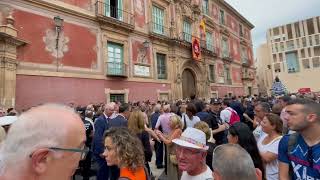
192,138
7,120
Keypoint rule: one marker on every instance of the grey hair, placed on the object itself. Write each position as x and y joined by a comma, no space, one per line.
33,129
233,162
157,108
265,107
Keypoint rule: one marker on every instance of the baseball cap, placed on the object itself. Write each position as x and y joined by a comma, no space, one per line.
215,101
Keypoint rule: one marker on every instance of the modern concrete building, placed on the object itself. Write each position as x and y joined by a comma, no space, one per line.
128,50
293,55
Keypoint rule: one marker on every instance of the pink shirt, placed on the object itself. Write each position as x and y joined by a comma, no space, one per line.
164,121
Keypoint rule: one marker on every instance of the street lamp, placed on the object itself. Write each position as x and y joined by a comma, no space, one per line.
58,23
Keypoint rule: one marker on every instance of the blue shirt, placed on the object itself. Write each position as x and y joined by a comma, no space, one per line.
300,158
202,115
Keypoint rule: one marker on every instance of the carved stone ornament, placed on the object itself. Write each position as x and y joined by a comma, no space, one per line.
50,43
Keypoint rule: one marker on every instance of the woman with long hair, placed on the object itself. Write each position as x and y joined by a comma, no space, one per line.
125,150
268,144
136,124
240,133
176,127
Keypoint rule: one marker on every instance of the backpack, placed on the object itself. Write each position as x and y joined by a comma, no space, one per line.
291,143
234,117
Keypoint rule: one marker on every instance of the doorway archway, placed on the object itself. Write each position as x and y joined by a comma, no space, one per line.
188,83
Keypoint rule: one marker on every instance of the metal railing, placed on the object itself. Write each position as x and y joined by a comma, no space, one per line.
245,61
228,81
116,69
186,37
106,10
226,55
207,46
159,29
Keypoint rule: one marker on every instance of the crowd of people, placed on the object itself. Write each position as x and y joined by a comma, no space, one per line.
228,138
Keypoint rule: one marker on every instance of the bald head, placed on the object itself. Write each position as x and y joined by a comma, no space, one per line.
233,155
49,125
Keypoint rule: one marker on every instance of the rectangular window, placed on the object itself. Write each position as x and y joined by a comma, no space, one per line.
289,30
316,51
310,41
277,67
209,41
317,39
309,52
310,26
158,20
240,30
304,42
222,20
205,7
303,54
298,43
211,73
161,66
280,57
114,8
244,55
282,46
227,75
297,29
306,63
187,31
290,45
274,58
117,98
318,22
225,47
292,62
316,62
115,65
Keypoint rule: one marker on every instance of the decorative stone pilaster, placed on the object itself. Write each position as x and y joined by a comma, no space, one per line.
8,62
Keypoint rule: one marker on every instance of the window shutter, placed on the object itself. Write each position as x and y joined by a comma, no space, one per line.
120,9
107,8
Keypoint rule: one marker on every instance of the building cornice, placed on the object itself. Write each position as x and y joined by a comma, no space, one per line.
233,10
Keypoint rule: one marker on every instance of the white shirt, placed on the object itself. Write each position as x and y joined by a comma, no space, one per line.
207,175
272,168
190,123
258,133
225,115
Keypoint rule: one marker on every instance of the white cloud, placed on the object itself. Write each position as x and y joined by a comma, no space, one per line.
271,13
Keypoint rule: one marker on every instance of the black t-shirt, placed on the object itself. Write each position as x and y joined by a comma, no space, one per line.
213,121
89,130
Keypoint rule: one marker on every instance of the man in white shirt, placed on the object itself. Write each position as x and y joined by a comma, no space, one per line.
191,152
260,111
225,114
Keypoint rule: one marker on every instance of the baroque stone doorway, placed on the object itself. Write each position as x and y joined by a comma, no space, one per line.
188,83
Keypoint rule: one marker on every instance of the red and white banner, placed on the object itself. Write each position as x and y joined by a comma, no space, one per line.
196,50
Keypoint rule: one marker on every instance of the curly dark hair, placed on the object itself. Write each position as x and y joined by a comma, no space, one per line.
128,147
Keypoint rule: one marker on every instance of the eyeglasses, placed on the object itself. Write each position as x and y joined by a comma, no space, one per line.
310,157
84,151
180,149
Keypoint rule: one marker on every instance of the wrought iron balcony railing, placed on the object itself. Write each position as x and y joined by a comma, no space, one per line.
117,69
109,13
159,29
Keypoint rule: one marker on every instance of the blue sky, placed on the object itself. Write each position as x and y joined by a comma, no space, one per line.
265,14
